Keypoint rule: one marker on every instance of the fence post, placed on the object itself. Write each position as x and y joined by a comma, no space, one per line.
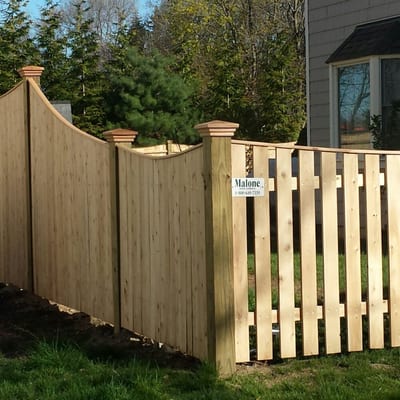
113,137
29,72
219,243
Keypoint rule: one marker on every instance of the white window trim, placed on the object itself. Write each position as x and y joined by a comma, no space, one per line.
375,90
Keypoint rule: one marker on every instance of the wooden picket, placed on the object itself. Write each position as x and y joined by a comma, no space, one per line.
240,259
262,258
308,253
330,252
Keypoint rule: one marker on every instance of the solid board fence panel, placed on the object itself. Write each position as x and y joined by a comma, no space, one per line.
70,212
241,286
166,234
15,251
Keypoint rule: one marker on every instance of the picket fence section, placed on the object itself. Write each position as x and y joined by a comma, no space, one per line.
305,306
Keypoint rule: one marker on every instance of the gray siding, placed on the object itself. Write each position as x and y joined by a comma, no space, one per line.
329,23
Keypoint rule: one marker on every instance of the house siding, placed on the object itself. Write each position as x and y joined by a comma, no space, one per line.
329,24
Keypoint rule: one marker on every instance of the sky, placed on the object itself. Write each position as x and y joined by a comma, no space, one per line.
35,5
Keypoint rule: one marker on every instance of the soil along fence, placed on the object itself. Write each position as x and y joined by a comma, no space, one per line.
158,245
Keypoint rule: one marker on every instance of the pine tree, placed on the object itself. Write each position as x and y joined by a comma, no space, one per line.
151,99
16,44
52,45
84,76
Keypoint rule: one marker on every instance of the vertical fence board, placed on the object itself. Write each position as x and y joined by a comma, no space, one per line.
144,187
188,245
352,250
285,252
126,274
374,249
330,253
15,247
240,259
199,300
155,261
392,179
136,253
262,258
180,252
308,253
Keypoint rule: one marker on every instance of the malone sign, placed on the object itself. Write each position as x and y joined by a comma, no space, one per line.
247,187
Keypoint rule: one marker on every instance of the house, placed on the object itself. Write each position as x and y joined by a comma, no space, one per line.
353,72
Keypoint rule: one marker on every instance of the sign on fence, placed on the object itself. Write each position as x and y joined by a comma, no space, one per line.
247,187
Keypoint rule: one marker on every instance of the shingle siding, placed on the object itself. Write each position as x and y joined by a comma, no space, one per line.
329,24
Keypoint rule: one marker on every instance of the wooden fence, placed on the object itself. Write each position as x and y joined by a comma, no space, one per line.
158,245
132,239
315,293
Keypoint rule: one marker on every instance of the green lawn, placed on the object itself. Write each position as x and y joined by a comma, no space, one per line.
320,276
65,372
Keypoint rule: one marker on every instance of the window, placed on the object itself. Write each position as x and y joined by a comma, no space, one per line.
390,129
365,87
354,106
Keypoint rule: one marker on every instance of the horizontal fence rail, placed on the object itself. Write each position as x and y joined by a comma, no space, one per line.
325,241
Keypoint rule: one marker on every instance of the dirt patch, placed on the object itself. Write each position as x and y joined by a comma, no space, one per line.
26,319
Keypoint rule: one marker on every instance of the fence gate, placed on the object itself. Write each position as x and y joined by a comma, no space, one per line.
316,259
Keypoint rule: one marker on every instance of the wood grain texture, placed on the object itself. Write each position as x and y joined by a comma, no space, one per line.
374,249
262,258
352,252
330,253
284,207
241,287
308,253
392,179
15,252
71,213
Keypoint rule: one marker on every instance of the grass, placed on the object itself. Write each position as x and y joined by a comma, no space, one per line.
320,276
65,372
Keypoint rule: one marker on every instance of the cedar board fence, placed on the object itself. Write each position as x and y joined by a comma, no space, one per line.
157,245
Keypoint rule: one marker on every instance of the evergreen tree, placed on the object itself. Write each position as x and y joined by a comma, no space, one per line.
226,46
152,99
282,110
84,76
16,44
52,45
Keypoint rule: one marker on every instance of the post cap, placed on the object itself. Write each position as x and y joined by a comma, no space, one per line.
120,135
217,128
31,71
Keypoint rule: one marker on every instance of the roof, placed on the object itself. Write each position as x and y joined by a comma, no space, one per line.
376,38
